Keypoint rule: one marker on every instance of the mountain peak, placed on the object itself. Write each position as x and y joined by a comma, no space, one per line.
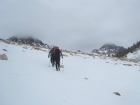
109,44
108,49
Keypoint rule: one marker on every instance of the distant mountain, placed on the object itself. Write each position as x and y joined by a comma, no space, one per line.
108,49
27,40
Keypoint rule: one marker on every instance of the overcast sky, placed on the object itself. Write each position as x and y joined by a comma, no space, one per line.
73,24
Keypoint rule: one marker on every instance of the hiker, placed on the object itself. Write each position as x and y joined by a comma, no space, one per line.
51,54
57,54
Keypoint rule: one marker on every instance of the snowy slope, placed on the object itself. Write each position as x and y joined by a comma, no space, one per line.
27,79
134,55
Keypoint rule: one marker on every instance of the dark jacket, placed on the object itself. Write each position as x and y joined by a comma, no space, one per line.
58,53
51,52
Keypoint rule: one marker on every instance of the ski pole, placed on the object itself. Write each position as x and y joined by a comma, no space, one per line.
62,61
62,64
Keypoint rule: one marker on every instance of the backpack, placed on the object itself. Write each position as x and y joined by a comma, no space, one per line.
56,48
57,51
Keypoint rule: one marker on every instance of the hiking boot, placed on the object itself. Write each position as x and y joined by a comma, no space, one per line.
53,64
57,67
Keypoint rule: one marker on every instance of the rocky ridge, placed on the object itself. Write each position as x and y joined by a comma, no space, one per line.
108,49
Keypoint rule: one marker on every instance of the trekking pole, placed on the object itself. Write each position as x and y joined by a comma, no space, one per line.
62,64
49,63
62,61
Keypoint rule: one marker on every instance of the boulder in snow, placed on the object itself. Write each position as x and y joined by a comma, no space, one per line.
86,78
3,57
117,93
4,50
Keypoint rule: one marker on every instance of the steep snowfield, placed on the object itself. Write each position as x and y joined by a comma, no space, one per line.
27,79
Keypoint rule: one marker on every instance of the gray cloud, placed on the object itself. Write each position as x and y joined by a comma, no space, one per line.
73,24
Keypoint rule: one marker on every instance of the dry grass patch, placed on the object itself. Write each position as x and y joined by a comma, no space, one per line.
43,50
65,55
71,54
127,64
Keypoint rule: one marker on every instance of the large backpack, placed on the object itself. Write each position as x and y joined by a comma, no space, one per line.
57,51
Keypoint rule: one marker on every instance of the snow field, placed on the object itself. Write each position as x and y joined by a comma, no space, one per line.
27,79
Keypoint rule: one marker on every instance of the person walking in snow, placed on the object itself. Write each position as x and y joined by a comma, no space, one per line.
51,54
57,54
